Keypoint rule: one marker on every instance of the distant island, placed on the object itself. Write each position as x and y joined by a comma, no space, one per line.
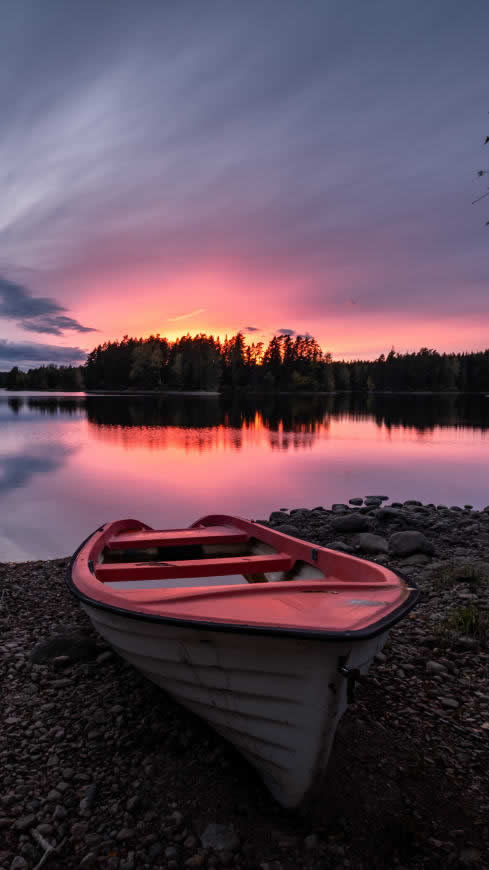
204,363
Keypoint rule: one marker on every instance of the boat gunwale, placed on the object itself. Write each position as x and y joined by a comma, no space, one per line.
328,635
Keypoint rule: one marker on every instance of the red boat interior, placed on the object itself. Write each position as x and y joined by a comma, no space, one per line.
235,572
210,556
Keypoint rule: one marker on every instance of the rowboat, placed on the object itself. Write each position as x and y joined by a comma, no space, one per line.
260,634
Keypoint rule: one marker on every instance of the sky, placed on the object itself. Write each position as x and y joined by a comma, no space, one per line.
265,166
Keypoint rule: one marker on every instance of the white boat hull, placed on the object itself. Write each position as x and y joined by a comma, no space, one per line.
278,700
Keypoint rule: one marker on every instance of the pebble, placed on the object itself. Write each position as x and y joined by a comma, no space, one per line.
25,822
435,667
220,838
370,543
450,703
125,834
88,861
353,522
311,842
408,542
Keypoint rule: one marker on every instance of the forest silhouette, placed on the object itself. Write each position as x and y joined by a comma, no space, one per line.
286,364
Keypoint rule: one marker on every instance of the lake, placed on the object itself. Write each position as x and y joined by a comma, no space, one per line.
69,462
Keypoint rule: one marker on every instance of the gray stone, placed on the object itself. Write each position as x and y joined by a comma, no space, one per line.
435,668
411,502
416,559
409,542
220,838
379,497
390,514
311,842
88,799
25,822
356,501
370,543
464,642
19,863
76,646
353,522
133,803
372,501
339,508
341,546
288,529
449,703
88,861
276,517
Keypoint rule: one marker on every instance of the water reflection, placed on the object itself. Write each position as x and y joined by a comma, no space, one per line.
304,416
17,470
68,463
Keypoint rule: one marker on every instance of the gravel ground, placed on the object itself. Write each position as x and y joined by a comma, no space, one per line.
104,767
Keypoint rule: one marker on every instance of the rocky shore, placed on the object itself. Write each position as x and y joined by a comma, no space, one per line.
100,769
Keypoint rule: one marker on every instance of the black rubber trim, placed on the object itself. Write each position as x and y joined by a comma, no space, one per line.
362,634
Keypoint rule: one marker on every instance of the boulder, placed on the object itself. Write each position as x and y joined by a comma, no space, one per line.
369,543
353,522
411,502
276,517
288,529
300,513
356,501
416,560
220,838
371,501
341,546
379,497
390,514
407,543
76,646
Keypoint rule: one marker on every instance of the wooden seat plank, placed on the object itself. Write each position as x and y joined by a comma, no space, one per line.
139,540
112,572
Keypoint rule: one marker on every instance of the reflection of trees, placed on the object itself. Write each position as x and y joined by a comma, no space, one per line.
289,421
15,404
56,405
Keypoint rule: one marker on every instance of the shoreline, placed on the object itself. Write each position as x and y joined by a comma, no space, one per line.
102,762
249,393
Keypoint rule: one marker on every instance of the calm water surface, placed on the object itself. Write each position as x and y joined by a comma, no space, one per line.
70,462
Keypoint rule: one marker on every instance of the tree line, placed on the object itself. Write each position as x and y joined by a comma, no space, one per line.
286,364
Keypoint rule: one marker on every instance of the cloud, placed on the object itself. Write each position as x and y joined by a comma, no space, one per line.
55,325
251,329
24,353
186,316
35,313
275,162
286,332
